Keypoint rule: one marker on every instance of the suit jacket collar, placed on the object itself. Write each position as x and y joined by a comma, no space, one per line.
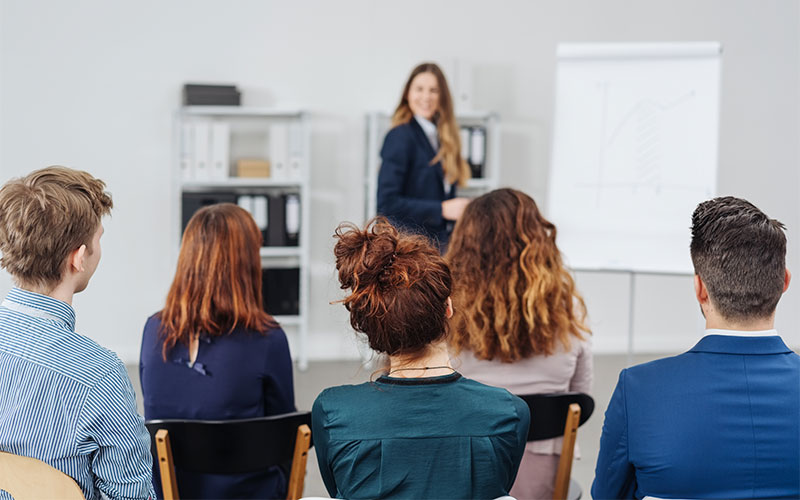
727,344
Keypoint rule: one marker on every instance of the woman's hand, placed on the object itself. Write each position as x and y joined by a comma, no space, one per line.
453,208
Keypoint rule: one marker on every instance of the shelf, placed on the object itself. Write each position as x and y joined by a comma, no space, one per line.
280,251
241,182
481,183
475,115
240,111
288,320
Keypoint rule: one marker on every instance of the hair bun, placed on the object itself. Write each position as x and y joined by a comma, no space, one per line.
398,286
365,257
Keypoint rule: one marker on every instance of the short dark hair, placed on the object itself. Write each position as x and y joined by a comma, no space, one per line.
398,283
740,254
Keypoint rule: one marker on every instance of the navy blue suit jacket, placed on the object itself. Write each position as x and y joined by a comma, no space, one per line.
719,421
410,189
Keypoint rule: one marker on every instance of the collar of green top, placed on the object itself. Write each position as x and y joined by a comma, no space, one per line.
442,379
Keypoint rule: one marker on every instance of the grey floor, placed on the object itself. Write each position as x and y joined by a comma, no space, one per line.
320,375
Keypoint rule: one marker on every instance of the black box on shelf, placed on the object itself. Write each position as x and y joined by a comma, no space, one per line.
211,95
192,202
281,291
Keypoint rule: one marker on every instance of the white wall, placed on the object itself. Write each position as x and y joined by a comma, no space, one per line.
93,85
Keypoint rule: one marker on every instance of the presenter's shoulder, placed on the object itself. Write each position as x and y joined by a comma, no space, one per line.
401,132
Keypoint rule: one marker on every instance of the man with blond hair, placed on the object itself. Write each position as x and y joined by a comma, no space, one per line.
64,399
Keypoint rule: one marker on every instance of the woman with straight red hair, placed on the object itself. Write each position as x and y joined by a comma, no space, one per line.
212,352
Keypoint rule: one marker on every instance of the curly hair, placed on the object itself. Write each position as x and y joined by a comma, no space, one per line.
512,296
398,283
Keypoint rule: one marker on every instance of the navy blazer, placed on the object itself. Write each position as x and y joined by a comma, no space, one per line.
719,421
410,189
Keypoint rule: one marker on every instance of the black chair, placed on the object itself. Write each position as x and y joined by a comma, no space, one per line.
232,447
554,415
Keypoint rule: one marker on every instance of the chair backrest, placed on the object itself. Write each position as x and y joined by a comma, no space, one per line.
549,412
231,447
25,477
557,415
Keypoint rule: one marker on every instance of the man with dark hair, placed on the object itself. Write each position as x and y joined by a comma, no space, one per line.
723,419
64,399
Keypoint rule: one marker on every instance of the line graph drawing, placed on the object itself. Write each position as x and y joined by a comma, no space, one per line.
637,136
634,151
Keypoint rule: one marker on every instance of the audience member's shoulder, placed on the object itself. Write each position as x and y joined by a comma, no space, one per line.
489,391
152,326
658,366
346,392
89,359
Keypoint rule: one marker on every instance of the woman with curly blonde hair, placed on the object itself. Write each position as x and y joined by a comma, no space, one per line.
519,322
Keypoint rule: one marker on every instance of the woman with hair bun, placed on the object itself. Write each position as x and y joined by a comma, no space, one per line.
519,322
420,430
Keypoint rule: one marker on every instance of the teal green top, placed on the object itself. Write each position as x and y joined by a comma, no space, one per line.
437,437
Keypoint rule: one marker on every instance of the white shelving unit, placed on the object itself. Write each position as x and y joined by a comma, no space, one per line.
378,124
250,137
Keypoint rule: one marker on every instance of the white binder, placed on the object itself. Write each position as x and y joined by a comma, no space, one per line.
202,170
295,151
279,150
220,151
186,152
260,214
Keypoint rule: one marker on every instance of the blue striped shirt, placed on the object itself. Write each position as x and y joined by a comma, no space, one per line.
68,401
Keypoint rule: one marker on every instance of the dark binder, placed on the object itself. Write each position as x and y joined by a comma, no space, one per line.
192,202
276,229
281,291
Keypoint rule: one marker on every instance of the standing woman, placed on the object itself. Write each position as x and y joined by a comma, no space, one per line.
212,352
420,430
422,161
519,321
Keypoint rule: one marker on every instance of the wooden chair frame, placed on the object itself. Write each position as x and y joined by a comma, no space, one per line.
567,452
169,482
26,478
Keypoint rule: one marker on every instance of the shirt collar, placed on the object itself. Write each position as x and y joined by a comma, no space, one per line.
40,306
429,128
742,333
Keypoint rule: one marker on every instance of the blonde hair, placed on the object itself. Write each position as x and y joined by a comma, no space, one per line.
511,294
46,215
455,167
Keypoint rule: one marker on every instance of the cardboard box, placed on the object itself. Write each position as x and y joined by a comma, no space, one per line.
252,167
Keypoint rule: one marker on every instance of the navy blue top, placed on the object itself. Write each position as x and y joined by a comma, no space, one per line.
410,189
437,437
241,375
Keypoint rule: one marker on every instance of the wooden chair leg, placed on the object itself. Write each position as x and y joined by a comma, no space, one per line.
298,475
169,483
567,452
